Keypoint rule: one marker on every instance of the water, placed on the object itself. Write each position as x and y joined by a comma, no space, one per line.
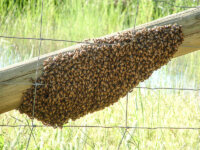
8,53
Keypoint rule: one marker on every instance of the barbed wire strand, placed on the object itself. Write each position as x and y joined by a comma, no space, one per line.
126,127
36,74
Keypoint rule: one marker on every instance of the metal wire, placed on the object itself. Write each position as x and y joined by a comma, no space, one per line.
168,88
126,117
138,87
36,74
109,127
120,142
126,127
78,42
126,123
57,40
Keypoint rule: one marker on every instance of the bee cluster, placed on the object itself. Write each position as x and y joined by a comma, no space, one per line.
97,75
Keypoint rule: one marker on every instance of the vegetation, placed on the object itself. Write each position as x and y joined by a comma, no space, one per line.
82,19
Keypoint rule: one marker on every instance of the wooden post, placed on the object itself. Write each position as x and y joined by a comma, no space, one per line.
15,79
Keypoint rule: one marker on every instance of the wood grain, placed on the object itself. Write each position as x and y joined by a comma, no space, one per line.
15,79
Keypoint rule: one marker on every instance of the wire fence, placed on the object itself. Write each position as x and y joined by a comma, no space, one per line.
126,126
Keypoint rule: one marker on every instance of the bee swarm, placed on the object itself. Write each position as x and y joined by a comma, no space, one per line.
98,75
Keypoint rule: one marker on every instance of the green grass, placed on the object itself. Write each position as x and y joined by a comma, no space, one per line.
83,19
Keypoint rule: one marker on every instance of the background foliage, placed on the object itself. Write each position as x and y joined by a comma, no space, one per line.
83,19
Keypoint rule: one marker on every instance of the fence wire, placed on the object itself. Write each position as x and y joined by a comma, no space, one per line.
36,75
110,127
126,126
138,87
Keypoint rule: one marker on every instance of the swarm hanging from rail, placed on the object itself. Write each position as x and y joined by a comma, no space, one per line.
96,76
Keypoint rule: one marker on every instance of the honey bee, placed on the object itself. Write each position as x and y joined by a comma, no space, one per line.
97,75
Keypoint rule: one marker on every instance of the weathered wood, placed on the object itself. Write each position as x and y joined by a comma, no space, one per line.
15,79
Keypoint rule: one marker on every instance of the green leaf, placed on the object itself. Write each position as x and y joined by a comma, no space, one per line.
1,142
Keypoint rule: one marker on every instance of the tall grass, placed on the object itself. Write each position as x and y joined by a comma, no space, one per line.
73,20
83,19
